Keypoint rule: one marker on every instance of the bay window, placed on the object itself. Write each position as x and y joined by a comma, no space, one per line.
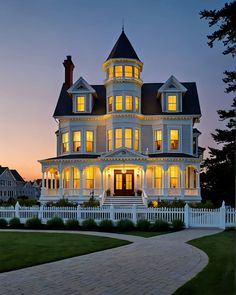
136,139
158,140
76,141
128,138
65,142
118,138
136,104
174,139
89,141
118,71
128,103
109,139
128,71
118,102
110,98
136,72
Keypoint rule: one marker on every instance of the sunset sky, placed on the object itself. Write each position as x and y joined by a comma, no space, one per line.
35,37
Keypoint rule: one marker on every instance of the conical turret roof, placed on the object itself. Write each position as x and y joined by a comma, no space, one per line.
123,48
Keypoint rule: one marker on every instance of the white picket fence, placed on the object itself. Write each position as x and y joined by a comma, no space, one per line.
218,218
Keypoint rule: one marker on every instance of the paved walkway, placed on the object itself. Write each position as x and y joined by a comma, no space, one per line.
157,265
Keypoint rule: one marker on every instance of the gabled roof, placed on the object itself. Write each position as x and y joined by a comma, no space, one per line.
123,48
81,86
150,103
172,84
17,176
2,169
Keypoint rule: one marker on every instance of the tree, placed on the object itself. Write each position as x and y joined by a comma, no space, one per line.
218,178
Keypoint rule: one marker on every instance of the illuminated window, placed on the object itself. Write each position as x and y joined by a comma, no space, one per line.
118,138
128,71
128,138
65,142
76,178
128,181
110,72
174,139
136,104
158,177
80,104
136,139
118,71
110,104
190,177
172,103
89,177
118,103
118,181
158,139
136,72
174,176
89,141
76,141
128,103
109,140
66,177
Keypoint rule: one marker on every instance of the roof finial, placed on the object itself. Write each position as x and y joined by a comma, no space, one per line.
123,25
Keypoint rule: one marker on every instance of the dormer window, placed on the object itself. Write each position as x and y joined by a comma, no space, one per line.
80,104
118,71
172,102
128,71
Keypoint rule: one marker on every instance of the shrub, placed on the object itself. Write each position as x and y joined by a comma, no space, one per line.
92,202
106,225
55,223
34,222
3,223
72,224
177,204
177,224
207,204
61,203
89,224
143,225
125,225
161,225
14,223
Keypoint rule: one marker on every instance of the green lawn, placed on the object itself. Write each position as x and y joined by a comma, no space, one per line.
218,276
19,250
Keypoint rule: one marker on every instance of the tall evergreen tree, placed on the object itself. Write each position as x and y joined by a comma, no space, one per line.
218,180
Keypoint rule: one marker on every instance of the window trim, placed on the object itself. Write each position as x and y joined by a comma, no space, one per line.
179,128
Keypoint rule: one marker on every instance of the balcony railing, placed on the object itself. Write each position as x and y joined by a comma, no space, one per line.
70,192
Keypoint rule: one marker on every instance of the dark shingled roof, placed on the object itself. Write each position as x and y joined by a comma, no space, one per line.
78,156
17,176
123,48
2,169
151,104
171,155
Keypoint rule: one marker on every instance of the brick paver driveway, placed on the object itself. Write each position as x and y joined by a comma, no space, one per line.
157,265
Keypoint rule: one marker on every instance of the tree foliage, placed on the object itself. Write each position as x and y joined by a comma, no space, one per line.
218,178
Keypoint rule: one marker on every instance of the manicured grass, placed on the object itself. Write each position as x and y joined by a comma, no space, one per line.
19,250
218,276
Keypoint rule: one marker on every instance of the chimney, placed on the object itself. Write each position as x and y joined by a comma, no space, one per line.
69,67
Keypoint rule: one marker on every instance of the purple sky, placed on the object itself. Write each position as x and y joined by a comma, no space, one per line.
35,37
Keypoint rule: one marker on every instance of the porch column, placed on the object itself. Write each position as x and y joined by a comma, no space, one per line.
182,179
43,186
165,180
198,179
60,191
144,178
101,182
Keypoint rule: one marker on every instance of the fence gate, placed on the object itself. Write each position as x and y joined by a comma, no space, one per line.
204,217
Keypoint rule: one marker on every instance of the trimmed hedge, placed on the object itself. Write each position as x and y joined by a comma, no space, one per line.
125,225
143,225
89,224
3,223
55,223
178,224
15,223
72,224
33,223
160,225
106,225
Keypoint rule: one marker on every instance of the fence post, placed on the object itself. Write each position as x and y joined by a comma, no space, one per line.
134,214
17,210
79,213
40,214
186,215
112,214
222,215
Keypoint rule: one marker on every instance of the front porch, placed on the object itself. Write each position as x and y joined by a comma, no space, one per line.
159,180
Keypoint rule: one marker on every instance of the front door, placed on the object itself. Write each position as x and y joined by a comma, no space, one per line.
124,183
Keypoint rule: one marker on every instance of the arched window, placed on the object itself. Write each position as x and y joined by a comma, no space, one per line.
174,176
66,177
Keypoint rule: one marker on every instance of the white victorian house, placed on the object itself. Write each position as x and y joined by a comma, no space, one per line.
125,136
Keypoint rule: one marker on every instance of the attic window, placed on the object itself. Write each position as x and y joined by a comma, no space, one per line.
80,104
172,103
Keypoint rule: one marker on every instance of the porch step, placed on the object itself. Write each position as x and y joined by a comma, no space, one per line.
123,201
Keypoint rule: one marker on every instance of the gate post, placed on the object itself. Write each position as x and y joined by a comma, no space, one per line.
222,215
79,213
134,214
186,215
